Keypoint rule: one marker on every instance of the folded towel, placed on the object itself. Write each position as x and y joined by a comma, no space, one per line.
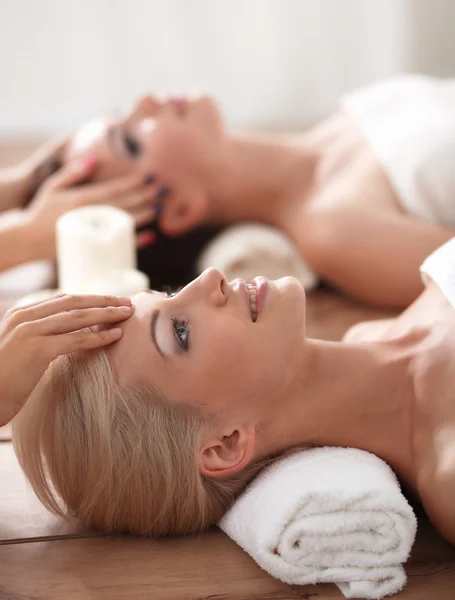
247,250
327,515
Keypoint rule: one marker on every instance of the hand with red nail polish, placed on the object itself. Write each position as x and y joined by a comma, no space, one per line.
145,239
61,193
56,196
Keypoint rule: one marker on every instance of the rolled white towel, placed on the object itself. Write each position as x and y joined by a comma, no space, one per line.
250,249
327,515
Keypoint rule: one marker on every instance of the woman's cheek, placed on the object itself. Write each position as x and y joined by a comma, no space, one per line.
236,351
165,152
174,153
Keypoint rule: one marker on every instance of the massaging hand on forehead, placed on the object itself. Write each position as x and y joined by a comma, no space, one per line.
54,174
54,180
31,337
61,193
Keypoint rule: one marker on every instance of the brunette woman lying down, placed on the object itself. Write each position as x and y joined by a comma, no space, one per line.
365,194
159,432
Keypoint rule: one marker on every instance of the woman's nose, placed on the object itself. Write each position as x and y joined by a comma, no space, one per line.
146,106
212,282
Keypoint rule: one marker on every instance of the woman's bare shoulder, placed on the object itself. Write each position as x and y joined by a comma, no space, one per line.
430,307
435,408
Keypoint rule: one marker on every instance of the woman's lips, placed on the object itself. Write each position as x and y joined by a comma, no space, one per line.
262,288
239,285
261,285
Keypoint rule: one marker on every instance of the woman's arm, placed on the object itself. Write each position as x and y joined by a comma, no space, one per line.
16,244
373,257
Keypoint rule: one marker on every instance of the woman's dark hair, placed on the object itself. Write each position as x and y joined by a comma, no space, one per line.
170,262
50,165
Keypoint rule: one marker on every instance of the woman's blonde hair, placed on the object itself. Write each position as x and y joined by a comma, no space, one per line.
119,458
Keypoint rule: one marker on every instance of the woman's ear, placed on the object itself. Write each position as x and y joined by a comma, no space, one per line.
182,213
223,456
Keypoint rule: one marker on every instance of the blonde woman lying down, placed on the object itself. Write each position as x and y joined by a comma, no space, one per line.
161,431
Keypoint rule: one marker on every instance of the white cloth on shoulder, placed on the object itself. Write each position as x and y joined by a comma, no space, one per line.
440,267
327,515
409,121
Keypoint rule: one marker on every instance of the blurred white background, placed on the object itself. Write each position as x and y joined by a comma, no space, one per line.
271,63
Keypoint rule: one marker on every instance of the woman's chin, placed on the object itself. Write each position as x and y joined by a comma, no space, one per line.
289,301
290,284
209,112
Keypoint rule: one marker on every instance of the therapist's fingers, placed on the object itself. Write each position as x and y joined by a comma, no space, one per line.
71,173
145,238
15,309
66,322
84,339
61,303
143,216
106,191
140,198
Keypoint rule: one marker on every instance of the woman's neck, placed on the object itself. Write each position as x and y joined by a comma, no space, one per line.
260,179
350,395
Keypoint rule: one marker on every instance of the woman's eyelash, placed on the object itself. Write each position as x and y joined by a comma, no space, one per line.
181,331
170,293
180,327
132,146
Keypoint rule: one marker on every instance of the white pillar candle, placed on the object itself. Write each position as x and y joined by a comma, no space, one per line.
120,282
90,242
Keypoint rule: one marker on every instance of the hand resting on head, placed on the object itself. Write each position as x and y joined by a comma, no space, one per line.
32,336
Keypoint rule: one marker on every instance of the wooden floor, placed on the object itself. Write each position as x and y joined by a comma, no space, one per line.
44,558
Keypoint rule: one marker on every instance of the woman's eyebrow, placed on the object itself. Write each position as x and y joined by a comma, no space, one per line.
155,317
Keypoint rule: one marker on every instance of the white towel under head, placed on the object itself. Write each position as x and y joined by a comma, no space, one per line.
247,250
327,515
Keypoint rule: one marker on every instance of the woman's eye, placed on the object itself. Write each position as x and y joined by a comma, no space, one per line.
132,146
181,332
